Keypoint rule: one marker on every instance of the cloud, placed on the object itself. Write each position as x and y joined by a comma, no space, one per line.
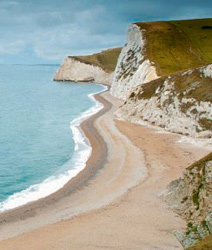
55,28
8,4
64,40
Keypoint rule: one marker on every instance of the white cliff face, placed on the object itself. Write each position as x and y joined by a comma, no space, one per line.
76,71
207,71
133,68
174,111
190,197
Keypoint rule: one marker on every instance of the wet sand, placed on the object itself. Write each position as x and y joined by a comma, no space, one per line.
114,202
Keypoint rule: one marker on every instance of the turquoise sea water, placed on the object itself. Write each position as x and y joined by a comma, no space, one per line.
37,147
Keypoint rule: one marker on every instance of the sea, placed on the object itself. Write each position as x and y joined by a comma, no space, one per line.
41,145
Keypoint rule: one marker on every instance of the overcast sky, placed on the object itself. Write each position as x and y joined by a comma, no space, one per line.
45,31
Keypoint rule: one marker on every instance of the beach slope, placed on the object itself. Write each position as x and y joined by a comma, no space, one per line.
115,202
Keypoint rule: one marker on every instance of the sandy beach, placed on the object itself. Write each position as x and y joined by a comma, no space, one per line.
114,202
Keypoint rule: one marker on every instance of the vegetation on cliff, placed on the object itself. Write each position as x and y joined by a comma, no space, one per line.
96,68
106,59
179,100
205,244
190,84
180,103
191,197
178,45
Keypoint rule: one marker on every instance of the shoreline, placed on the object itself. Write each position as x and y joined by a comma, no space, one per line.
113,202
95,140
77,162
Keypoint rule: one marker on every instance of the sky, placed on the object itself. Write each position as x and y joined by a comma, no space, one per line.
45,31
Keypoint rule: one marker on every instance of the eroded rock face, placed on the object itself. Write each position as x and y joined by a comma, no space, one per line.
191,198
76,71
180,103
133,67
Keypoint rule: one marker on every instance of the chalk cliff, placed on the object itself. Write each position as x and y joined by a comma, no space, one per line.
133,66
191,198
76,71
96,68
163,75
180,103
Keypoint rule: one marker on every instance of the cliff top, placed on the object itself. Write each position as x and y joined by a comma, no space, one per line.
106,59
178,45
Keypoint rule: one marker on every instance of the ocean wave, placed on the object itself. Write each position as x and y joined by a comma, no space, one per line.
82,152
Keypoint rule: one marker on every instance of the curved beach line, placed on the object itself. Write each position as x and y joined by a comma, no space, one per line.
76,164
111,203
114,160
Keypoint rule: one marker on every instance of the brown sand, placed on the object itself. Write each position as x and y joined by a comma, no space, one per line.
114,202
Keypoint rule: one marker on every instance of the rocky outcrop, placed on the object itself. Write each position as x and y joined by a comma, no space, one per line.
191,198
133,66
180,103
76,71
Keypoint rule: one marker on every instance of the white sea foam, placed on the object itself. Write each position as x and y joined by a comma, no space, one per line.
77,163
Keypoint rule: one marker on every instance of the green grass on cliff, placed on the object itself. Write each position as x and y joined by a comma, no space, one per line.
186,85
106,59
200,33
178,45
205,244
200,166
191,85
194,86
